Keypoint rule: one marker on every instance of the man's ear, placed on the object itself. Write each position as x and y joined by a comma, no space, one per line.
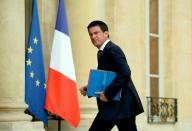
106,33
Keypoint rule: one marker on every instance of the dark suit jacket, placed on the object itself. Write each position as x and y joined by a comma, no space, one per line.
113,59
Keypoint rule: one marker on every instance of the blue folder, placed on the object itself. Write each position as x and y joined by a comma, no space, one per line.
99,80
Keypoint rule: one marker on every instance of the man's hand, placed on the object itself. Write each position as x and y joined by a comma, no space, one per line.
83,90
102,96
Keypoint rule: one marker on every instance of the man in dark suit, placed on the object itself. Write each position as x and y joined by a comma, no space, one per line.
111,58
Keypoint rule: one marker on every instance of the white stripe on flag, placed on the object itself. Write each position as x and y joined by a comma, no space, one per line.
61,55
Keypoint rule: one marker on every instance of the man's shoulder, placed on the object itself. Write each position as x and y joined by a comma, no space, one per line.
113,48
112,45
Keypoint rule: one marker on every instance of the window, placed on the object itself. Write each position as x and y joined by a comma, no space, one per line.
154,51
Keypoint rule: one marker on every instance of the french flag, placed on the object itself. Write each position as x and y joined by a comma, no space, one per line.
61,97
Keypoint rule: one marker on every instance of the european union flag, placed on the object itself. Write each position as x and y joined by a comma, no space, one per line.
35,87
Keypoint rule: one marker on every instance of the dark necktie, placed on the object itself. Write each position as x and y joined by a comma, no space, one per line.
99,54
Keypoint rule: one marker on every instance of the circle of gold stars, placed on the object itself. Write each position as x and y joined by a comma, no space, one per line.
29,63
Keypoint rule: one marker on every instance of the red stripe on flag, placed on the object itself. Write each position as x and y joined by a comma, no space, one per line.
61,97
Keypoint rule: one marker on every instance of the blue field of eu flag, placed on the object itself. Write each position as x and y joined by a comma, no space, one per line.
35,87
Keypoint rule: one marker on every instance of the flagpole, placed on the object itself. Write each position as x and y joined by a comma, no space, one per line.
59,124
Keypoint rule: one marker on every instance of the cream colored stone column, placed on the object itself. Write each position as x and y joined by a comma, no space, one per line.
181,48
12,54
80,14
127,28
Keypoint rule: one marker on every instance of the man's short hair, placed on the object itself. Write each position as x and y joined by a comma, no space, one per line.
99,23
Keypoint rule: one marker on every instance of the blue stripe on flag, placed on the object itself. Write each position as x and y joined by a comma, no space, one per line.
61,24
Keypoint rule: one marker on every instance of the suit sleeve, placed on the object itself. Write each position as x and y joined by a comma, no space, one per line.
123,72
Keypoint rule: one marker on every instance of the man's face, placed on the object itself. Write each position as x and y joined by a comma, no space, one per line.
97,36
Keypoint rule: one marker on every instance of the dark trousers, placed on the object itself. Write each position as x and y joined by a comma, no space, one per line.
99,124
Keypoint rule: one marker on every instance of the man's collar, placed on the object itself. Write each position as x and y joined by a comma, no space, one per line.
104,44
